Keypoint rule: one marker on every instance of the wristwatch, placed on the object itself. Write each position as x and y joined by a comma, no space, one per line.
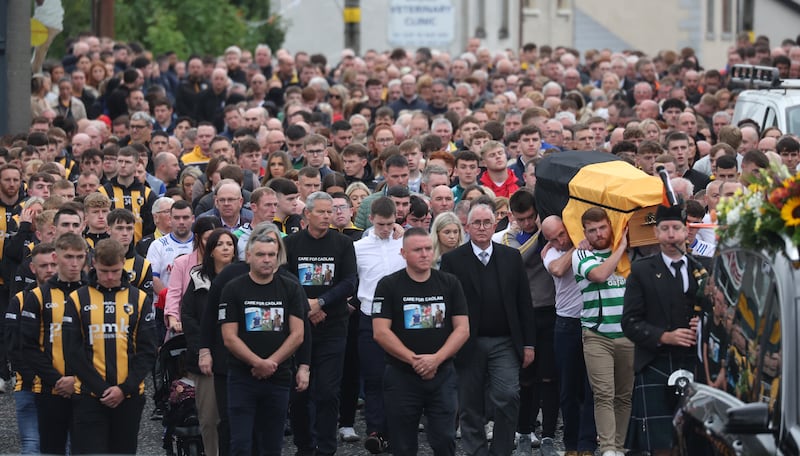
321,302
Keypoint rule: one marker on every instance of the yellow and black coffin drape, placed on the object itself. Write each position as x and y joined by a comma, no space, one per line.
569,183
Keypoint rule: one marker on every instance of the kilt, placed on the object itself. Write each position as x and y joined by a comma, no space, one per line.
654,403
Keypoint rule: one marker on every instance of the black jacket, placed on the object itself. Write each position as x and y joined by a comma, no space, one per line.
516,293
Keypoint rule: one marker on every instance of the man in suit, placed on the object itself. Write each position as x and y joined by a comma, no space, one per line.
658,316
502,333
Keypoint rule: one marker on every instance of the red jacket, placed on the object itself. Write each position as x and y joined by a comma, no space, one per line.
505,189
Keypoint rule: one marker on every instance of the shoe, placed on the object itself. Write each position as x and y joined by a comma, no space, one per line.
348,434
4,385
609,453
547,448
287,428
421,427
489,428
535,443
376,444
458,432
523,444
157,415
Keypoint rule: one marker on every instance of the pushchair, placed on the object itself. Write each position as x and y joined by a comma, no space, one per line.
182,435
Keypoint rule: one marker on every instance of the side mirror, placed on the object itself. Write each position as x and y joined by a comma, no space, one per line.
748,419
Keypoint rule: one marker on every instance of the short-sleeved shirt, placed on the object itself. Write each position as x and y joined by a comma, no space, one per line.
421,312
602,302
262,312
569,302
162,254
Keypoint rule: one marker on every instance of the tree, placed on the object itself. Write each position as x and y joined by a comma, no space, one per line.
196,27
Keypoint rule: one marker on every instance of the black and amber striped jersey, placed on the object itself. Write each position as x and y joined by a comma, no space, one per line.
26,379
8,227
70,167
93,238
140,272
43,314
137,198
110,337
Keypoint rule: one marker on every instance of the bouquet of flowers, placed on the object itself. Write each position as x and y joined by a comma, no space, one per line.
766,215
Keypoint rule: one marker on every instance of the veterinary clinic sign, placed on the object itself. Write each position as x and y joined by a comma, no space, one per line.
421,22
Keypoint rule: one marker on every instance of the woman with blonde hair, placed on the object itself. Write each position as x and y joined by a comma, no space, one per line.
446,234
337,98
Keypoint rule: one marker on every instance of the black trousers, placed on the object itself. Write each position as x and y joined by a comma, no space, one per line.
223,428
97,429
350,375
54,414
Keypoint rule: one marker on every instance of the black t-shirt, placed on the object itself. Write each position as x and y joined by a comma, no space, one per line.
421,312
325,267
262,312
716,337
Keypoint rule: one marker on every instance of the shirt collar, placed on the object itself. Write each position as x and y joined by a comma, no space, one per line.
477,250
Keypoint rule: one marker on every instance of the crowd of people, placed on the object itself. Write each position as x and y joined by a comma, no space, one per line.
324,233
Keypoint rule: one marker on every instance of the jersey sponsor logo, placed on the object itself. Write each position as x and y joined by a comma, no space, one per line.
108,330
55,331
89,307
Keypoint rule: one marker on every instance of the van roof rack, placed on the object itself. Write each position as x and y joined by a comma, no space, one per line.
760,77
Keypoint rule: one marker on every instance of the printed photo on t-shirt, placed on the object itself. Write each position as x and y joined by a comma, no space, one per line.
263,318
424,316
316,274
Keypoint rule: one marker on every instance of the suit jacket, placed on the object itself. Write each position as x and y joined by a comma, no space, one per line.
651,292
516,295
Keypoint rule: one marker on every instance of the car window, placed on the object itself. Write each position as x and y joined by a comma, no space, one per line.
793,120
741,333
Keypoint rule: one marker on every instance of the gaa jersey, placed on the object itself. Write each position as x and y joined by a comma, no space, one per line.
43,315
8,226
110,338
137,198
26,379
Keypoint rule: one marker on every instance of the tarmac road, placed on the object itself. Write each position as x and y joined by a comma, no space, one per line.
150,434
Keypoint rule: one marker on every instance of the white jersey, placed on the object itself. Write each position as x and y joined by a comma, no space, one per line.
163,252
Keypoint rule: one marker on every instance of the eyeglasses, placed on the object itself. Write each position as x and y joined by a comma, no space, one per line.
137,127
481,224
315,152
385,140
341,208
334,95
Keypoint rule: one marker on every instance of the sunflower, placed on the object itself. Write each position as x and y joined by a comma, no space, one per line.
791,211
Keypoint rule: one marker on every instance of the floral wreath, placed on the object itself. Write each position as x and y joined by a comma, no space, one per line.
766,215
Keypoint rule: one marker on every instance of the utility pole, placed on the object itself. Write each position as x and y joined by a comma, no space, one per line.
352,25
15,66
103,18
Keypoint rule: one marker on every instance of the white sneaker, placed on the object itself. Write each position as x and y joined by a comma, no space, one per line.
348,434
489,428
3,386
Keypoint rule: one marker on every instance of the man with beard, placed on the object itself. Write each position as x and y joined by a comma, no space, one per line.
608,353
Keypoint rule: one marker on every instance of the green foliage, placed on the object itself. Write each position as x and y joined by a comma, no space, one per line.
196,27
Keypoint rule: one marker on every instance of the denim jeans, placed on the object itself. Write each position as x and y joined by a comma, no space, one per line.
407,395
372,358
256,405
577,403
27,421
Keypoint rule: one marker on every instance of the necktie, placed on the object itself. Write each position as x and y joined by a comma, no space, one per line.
484,256
677,265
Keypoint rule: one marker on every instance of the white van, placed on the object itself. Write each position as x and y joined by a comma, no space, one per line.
769,100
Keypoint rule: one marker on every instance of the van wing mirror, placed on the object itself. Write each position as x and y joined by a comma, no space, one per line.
748,419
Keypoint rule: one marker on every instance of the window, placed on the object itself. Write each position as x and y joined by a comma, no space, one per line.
743,334
710,19
727,18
